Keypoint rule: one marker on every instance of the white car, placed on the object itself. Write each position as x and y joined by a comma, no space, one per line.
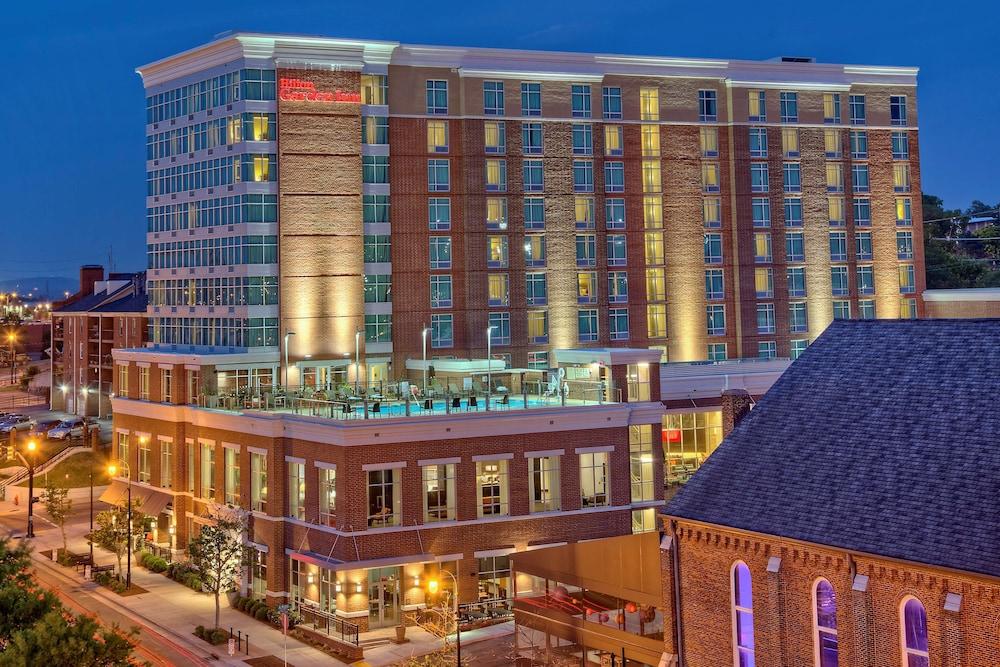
16,423
68,428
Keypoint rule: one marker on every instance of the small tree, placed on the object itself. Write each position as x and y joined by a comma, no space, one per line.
58,506
61,638
30,373
112,529
219,554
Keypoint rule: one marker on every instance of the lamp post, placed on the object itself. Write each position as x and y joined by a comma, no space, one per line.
287,334
29,462
357,360
489,364
11,338
112,471
423,336
433,587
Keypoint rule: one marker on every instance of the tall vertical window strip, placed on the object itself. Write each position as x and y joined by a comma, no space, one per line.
641,462
208,470
258,482
493,102
166,464
327,495
742,605
543,483
649,104
296,490
144,462
831,107
232,477
826,624
492,488
757,111
439,492
374,89
914,634
594,483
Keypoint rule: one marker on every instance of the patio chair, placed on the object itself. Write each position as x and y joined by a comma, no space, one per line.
376,407
473,403
505,401
456,403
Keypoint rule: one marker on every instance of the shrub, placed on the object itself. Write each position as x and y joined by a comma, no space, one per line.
218,636
261,613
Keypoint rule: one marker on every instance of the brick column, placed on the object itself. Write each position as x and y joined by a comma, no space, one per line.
954,637
863,621
735,406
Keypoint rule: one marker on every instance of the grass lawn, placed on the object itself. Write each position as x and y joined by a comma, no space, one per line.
74,472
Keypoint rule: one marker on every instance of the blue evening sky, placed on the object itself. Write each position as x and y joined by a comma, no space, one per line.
72,110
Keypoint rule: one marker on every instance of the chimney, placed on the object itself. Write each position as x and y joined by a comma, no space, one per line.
735,406
89,275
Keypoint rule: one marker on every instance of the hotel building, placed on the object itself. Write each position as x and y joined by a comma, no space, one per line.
357,247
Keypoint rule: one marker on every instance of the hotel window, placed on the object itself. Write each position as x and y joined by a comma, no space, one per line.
583,140
831,143
617,287
649,104
858,113
586,287
913,631
613,141
794,247
742,601
375,208
714,286
594,484
707,107
790,142
758,142
838,280
492,487
798,347
792,177
534,251
493,98
764,282
652,211
709,176
907,309
531,138
496,213
789,103
866,280
586,321
580,95
374,169
901,177
534,180
907,279
327,494
122,380
536,289
715,319
618,323
859,144
866,309
376,248
384,502
437,97
798,320
499,289
586,250
711,208
650,136
166,464
897,109
531,99
144,463
863,245
374,89
616,249
640,454
166,385
900,146
437,136
232,476
862,212
614,177
767,350
831,108
442,331
761,211
496,175
713,248
583,175
440,252
378,328
143,383
757,111
708,139
904,245
835,209
656,320
296,490
793,212
611,96
653,245
438,214
258,482
538,328
438,176
208,470
614,213
439,492
796,276
501,323
838,246
497,256
543,484
441,291
765,318
759,181
717,352
656,285
495,137
762,247
378,288
534,213
859,177
375,130
904,217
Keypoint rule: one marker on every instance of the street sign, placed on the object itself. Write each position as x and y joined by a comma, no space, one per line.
232,646
284,622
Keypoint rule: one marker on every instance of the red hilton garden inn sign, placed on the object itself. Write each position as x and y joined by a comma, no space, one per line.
300,90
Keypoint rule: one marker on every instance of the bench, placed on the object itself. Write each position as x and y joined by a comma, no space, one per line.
101,568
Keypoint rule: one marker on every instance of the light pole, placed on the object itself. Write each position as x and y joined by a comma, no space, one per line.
489,364
357,360
29,462
11,338
423,336
287,334
433,587
112,471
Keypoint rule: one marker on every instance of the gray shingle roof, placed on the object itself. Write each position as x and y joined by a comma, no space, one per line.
883,437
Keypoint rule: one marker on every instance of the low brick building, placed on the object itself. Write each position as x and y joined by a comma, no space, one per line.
962,303
851,518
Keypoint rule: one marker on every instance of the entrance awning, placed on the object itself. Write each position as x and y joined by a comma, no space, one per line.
148,500
320,560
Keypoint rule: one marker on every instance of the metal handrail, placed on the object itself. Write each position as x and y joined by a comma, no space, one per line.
330,624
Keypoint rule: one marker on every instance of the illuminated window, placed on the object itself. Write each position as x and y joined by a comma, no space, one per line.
492,488
907,279
834,177
495,136
649,104
437,136
534,250
384,498
261,168
907,309
375,130
651,140
757,111
653,243
790,142
583,139
832,143
688,439
496,175
327,493
651,176
764,282
232,476
613,140
586,287
652,211
499,289
710,176
439,492
374,89
913,633
762,247
712,212
708,140
208,470
904,216
258,481
835,207
594,483
496,252
831,107
640,448
543,483
166,463
493,103
656,320
122,380
143,383
538,327
901,177
496,213
656,285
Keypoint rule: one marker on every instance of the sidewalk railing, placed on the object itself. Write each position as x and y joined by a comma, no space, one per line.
22,474
499,608
329,624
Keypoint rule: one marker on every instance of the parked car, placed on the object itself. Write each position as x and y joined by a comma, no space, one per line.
42,428
16,423
68,428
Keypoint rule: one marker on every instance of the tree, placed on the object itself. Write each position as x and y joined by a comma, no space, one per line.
30,373
112,529
60,638
58,506
219,554
22,601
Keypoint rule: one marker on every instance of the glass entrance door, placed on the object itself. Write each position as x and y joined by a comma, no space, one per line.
383,597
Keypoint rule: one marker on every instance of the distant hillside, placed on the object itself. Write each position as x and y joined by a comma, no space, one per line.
56,286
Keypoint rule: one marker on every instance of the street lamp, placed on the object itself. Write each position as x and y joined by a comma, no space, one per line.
11,338
432,587
423,336
112,472
287,334
29,462
489,364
